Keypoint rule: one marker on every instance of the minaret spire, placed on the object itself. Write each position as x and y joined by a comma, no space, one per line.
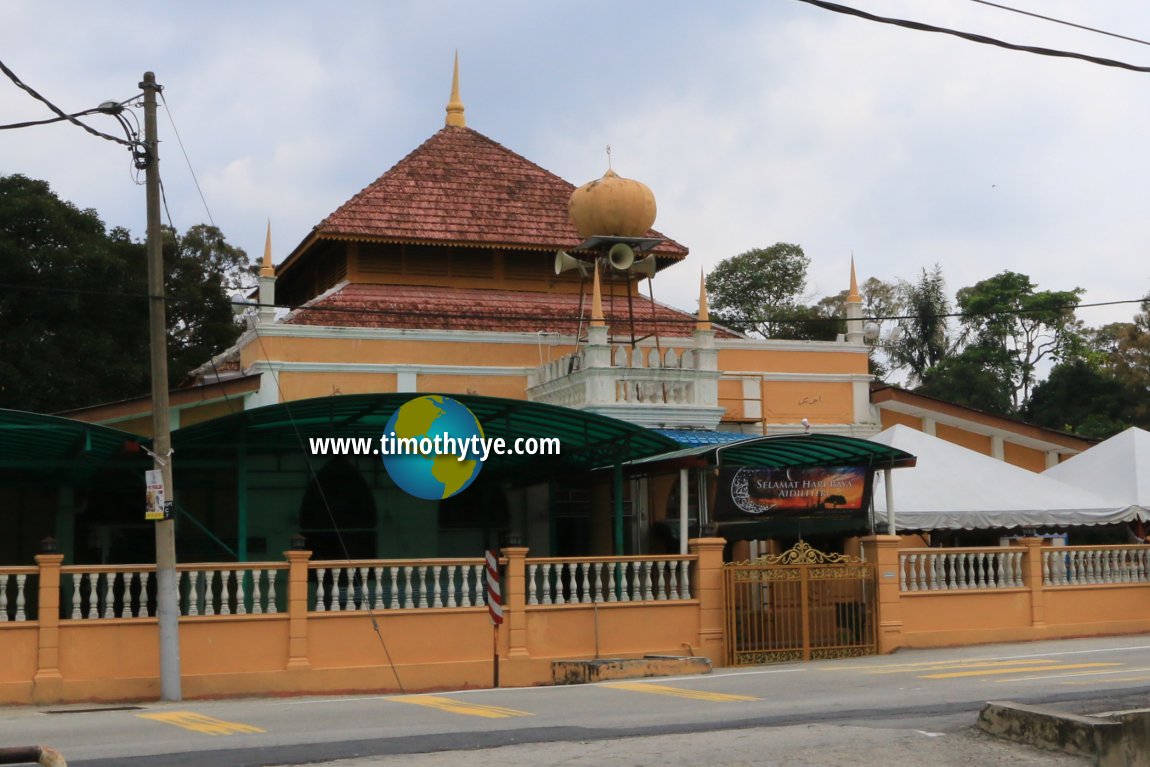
703,320
597,319
854,306
455,118
267,268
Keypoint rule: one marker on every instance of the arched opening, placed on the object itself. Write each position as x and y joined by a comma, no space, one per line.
339,504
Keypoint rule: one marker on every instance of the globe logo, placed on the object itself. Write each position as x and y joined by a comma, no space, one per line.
447,460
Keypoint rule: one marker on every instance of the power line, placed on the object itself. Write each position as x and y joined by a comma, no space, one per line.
59,112
187,159
983,39
1061,21
563,317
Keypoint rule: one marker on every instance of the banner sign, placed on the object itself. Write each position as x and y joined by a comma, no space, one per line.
809,492
156,503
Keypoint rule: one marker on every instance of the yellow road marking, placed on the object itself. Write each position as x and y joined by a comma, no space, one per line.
678,692
1140,678
941,666
1016,670
208,725
459,707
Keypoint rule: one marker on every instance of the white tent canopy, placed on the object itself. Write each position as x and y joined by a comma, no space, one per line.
954,488
1118,468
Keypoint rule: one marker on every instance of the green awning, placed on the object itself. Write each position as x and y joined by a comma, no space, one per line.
588,440
781,451
37,442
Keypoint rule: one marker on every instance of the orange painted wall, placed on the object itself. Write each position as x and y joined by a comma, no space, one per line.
1026,457
560,632
818,401
893,418
978,442
293,386
511,387
797,361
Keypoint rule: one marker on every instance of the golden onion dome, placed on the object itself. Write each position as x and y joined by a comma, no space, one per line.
612,206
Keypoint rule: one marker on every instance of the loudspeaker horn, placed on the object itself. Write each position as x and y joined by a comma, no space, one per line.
565,262
644,267
621,256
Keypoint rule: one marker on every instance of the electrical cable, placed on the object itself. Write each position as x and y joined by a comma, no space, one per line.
355,576
59,112
187,159
685,319
983,39
1061,21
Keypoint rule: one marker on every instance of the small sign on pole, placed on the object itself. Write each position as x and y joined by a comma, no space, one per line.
494,609
156,507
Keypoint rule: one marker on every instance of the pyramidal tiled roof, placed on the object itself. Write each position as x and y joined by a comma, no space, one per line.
461,188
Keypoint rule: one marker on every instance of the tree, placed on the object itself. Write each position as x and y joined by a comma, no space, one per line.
759,291
1030,326
979,377
1081,398
925,339
1130,363
73,310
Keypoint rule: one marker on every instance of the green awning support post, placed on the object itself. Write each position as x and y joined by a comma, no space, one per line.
617,497
242,496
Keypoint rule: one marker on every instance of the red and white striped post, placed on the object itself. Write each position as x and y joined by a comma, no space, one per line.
494,609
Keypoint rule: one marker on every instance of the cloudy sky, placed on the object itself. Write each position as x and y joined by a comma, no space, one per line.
753,122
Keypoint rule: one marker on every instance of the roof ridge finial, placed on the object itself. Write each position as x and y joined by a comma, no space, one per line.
267,268
455,118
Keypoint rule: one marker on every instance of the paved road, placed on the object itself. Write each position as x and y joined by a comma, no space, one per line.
857,704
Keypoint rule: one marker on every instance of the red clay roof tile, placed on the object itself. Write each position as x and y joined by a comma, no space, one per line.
444,308
459,188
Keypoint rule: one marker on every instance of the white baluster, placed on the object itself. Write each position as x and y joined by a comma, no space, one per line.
108,612
435,600
584,567
319,590
76,577
922,572
684,579
377,604
480,585
452,570
559,599
147,578
20,578
1046,568
597,581
902,573
193,593
1104,567
572,588
645,577
421,581
631,591
225,577
272,609
4,578
257,600
532,593
241,598
672,571
611,596
408,591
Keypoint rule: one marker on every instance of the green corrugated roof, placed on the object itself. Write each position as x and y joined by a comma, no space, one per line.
782,450
588,440
32,441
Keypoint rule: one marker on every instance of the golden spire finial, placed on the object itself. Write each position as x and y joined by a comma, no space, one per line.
267,269
854,296
703,321
455,118
597,319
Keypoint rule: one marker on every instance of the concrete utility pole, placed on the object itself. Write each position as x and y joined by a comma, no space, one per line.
167,590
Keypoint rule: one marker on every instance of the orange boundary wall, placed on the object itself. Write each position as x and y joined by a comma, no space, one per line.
979,616
53,660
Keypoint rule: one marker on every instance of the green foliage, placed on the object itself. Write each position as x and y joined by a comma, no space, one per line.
759,291
978,377
1007,313
1080,398
73,316
925,340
